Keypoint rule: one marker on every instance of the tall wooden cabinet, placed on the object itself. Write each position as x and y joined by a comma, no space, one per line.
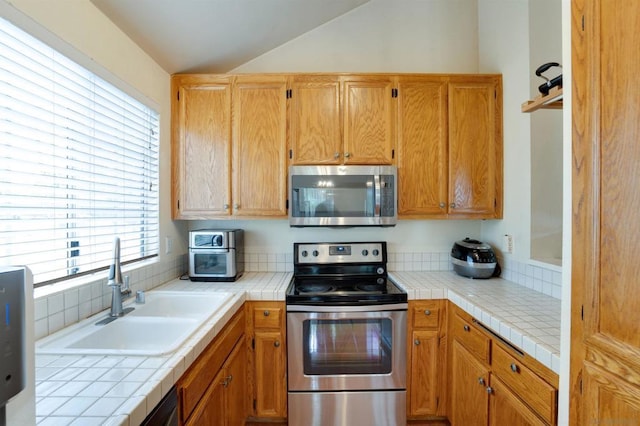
201,148
475,148
450,146
229,146
605,312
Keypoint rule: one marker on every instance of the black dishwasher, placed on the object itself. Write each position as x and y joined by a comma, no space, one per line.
166,412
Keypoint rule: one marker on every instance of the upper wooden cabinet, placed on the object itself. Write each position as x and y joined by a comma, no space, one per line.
340,119
201,148
259,146
475,147
229,146
450,146
422,146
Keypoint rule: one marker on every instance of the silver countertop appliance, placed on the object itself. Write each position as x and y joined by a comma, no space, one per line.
216,254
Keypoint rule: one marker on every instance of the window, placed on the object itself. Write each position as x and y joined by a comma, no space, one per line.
78,165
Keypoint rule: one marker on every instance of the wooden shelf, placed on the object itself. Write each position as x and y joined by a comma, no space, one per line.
551,101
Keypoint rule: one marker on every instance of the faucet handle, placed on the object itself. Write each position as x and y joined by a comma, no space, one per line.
125,285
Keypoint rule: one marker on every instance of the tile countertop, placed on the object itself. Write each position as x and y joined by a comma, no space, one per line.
122,390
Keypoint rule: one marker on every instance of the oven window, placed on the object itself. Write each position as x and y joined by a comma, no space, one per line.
210,263
347,346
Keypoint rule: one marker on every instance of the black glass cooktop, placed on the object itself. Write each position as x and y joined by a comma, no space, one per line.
344,291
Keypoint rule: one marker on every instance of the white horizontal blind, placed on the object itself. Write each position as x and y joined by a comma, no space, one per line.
78,164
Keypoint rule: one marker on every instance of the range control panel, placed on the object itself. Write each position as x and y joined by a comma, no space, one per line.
338,253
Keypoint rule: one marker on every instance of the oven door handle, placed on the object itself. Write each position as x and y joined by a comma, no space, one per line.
350,308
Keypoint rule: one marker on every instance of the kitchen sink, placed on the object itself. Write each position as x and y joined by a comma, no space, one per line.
158,327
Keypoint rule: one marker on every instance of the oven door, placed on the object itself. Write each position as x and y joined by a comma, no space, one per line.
352,350
212,263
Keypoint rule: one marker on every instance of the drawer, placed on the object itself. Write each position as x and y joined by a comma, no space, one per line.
471,338
531,388
426,314
268,315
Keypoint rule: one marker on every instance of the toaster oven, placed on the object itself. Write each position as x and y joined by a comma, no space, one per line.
216,255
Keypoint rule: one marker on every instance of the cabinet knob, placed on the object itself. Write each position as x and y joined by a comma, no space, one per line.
452,205
514,368
466,328
427,312
489,390
226,206
416,342
236,206
481,381
347,154
336,155
266,313
443,205
276,343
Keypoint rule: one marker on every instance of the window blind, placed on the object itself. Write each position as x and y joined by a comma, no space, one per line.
78,164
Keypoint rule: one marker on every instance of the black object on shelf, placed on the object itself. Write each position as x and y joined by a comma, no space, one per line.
548,84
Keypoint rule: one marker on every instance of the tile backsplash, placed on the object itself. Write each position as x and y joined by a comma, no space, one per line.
60,306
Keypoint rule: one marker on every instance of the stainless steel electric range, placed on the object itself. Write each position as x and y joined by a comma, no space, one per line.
346,337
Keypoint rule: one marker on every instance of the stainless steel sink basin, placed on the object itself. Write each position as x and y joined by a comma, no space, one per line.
158,327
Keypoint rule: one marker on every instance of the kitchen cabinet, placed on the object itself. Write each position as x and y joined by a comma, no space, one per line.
450,146
494,383
229,146
422,146
201,147
475,147
342,119
213,389
259,179
223,402
426,380
266,331
605,307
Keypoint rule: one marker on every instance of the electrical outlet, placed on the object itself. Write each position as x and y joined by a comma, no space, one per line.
507,243
168,245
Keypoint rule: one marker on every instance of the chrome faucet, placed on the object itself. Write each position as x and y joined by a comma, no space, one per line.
119,287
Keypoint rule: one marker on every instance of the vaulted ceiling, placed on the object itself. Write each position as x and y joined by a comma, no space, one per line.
217,35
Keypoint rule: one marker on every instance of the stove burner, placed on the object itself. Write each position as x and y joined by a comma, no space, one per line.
315,288
369,288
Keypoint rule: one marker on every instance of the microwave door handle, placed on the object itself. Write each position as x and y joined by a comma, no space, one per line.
376,183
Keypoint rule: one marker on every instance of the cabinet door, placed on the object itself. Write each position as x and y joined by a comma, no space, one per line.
315,120
422,146
369,120
605,311
424,373
271,374
236,391
505,408
259,146
201,147
475,149
211,409
469,381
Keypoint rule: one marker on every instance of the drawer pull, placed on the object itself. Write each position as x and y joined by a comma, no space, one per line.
489,390
427,312
481,380
416,342
514,368
266,313
466,328
276,344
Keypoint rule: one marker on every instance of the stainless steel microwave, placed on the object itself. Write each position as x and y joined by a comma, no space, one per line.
343,195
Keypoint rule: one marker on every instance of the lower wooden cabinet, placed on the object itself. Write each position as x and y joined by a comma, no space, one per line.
493,383
426,350
213,391
266,334
224,402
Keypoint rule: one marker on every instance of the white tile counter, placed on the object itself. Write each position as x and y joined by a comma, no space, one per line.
121,390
